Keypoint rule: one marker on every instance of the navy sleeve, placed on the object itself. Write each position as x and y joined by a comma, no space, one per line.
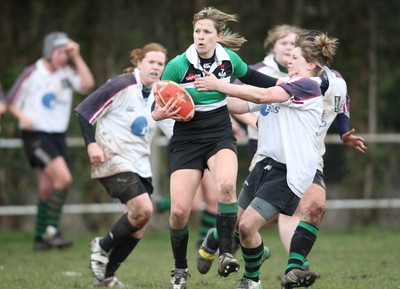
253,77
92,105
87,130
342,123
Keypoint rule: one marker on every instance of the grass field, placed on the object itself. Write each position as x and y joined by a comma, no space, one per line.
364,258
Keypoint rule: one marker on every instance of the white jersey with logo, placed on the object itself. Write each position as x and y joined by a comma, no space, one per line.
46,97
124,126
287,131
268,67
334,102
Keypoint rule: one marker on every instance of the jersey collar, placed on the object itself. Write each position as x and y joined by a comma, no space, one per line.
193,57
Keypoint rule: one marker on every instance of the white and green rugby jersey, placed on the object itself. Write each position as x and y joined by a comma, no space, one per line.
184,69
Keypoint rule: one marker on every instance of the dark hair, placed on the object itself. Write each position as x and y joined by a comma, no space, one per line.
318,47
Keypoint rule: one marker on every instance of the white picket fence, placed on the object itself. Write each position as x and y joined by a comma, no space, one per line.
162,141
117,208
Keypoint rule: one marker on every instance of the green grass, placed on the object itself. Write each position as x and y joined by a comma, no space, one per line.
364,258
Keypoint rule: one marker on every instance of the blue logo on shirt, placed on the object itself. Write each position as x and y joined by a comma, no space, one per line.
49,100
139,126
266,108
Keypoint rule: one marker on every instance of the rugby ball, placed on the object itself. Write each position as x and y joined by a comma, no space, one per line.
164,90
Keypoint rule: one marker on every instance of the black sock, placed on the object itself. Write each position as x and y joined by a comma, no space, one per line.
54,207
119,254
179,243
225,227
41,219
301,244
252,261
226,220
121,230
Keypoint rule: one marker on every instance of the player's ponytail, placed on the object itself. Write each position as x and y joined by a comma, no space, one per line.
317,47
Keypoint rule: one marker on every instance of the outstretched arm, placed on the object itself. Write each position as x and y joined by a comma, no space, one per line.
245,92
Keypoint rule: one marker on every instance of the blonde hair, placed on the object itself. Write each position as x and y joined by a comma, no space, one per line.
278,32
137,54
231,40
317,47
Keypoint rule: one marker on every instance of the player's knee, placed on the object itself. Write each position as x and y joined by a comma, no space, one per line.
144,218
139,218
228,191
314,213
178,216
245,229
317,209
64,182
147,212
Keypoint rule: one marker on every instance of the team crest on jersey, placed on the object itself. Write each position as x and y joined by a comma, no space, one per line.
222,72
140,126
337,103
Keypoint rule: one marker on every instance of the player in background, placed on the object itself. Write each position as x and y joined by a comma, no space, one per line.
290,114
207,140
119,150
41,100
